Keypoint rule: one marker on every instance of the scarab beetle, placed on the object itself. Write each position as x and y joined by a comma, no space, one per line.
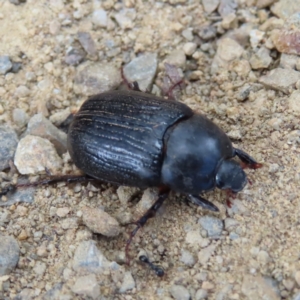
137,139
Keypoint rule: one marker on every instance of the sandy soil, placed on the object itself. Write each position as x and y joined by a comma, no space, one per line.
256,256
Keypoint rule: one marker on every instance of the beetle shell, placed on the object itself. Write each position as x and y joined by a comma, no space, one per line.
118,136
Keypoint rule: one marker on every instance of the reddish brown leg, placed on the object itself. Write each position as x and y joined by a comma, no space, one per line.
163,194
47,181
171,80
230,194
247,159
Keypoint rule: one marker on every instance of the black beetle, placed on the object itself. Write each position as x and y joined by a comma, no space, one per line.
137,139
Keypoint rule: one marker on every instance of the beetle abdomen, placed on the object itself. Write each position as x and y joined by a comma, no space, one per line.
118,136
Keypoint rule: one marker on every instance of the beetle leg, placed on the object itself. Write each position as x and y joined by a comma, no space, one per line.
198,200
150,213
47,181
247,159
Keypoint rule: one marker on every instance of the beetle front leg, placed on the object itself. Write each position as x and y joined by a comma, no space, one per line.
198,200
150,213
247,159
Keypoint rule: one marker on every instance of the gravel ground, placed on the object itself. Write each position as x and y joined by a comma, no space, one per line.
241,67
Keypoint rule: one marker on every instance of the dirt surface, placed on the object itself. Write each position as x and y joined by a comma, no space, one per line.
256,253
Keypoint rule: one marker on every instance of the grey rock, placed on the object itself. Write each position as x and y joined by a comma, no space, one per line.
228,51
177,58
126,193
212,225
227,7
8,145
261,59
59,117
99,18
294,102
20,195
34,154
233,236
142,69
288,61
4,217
94,78
207,32
280,79
98,221
5,64
20,117
38,125
88,44
88,258
201,294
210,5
230,224
128,283
244,92
26,294
264,3
179,292
149,197
125,18
188,34
189,48
187,258
297,297
87,286
75,56
9,254
285,8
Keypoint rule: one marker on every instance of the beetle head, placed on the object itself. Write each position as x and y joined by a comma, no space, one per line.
230,175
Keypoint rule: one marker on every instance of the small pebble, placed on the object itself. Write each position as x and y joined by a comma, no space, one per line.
88,44
98,221
94,78
212,225
8,145
5,64
126,193
125,18
201,294
187,258
62,211
99,18
20,117
280,79
179,292
35,154
261,59
177,58
88,258
128,283
87,286
189,48
142,69
9,254
210,5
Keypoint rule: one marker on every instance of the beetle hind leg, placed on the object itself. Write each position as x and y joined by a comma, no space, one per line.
47,181
150,213
247,159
